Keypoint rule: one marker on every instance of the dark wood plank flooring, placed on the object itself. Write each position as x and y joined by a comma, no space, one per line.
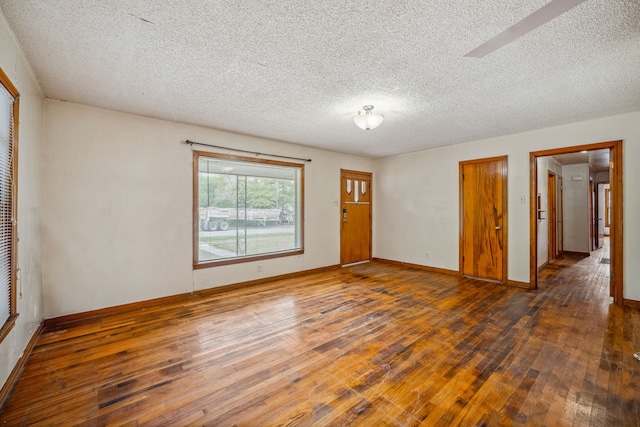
373,344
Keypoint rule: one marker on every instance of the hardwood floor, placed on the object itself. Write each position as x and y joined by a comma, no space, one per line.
373,344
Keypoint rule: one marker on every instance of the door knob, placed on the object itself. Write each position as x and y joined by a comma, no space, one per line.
498,228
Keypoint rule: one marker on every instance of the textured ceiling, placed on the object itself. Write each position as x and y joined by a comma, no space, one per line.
299,70
598,159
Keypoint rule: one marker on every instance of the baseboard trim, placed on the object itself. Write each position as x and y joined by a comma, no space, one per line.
355,263
522,285
576,254
69,320
514,283
419,267
631,303
19,368
543,265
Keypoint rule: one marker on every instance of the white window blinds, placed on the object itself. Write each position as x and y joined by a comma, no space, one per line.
6,202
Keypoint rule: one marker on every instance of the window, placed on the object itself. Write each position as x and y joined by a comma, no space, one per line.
8,173
246,209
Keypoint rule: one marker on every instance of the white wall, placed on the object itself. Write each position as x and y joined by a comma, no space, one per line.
576,208
602,230
416,204
29,285
545,164
117,197
602,177
543,223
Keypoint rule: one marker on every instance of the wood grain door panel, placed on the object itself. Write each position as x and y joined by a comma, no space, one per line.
559,217
355,216
551,206
483,219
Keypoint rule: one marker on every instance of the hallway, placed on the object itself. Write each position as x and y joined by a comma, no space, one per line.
592,272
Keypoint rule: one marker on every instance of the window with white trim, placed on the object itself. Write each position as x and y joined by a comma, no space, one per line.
246,209
8,189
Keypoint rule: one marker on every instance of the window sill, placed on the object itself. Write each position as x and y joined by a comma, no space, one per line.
8,326
230,261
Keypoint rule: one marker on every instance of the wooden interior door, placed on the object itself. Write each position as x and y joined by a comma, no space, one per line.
552,204
355,216
483,240
560,217
593,238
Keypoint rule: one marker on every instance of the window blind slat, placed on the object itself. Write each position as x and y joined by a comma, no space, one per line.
6,207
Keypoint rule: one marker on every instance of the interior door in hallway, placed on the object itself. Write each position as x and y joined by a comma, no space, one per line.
559,217
552,201
483,219
355,216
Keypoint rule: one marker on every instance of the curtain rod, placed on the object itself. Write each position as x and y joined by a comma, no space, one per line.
246,151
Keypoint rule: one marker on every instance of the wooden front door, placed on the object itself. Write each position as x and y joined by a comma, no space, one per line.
483,240
355,216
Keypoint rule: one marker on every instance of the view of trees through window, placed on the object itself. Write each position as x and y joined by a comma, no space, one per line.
247,209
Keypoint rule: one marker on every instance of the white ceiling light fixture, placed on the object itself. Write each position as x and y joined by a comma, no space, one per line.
368,120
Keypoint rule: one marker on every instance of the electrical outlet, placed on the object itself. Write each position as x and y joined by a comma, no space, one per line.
426,255
259,268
